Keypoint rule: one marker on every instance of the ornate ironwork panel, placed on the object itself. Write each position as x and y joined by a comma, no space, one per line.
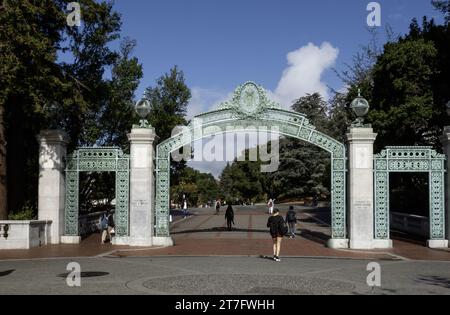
410,159
250,110
97,160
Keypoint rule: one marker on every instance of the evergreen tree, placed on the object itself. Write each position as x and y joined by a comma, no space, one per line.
169,100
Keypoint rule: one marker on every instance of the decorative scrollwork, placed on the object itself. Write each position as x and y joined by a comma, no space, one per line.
410,159
97,160
265,115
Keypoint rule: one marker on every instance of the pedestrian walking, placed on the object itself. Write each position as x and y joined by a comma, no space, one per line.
229,216
291,219
271,205
111,226
103,226
185,208
218,206
277,230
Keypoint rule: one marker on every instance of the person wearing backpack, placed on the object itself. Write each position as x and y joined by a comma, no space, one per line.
111,225
291,219
103,225
278,230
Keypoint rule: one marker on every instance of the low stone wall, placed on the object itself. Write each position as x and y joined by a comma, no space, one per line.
408,223
24,234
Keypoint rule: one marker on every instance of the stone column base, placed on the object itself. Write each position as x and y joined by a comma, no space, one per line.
140,242
361,245
335,243
120,241
163,241
438,244
383,244
70,240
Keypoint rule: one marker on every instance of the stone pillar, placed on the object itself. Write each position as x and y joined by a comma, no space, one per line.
361,206
52,155
445,140
142,186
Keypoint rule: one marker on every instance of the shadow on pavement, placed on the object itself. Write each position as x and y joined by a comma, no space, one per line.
435,281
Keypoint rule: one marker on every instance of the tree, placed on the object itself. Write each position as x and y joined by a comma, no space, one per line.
403,103
444,7
303,167
30,34
169,100
117,115
3,177
39,91
199,188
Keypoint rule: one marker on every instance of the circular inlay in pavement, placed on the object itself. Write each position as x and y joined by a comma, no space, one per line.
246,285
91,274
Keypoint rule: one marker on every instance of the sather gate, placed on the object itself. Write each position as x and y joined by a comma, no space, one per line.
251,108
359,179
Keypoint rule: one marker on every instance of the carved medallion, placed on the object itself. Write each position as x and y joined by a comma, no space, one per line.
249,99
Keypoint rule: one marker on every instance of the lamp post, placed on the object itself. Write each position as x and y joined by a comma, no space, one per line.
360,107
142,108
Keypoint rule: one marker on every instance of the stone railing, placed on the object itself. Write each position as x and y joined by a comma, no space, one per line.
408,223
24,234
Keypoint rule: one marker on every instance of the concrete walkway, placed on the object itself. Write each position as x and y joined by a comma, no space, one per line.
204,234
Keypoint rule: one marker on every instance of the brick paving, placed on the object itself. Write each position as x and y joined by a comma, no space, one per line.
204,234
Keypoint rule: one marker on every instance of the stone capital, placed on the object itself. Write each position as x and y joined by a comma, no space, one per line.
361,135
53,137
142,135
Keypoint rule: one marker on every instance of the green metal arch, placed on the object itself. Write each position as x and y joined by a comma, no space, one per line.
290,124
104,159
409,159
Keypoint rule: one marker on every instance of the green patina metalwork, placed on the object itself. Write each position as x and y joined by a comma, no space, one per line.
97,160
410,159
251,110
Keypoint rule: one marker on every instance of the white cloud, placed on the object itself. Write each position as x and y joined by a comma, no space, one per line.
304,72
204,100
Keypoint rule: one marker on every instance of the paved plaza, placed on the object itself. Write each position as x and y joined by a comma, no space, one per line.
207,259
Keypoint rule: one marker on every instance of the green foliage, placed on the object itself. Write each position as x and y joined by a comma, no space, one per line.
444,7
169,100
304,169
27,213
199,188
42,91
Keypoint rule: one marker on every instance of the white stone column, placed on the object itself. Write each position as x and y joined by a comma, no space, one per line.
52,155
361,206
142,186
445,140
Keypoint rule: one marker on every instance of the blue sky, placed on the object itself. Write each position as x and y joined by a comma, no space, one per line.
220,44
288,46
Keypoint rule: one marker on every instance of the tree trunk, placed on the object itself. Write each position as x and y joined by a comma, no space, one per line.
3,182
